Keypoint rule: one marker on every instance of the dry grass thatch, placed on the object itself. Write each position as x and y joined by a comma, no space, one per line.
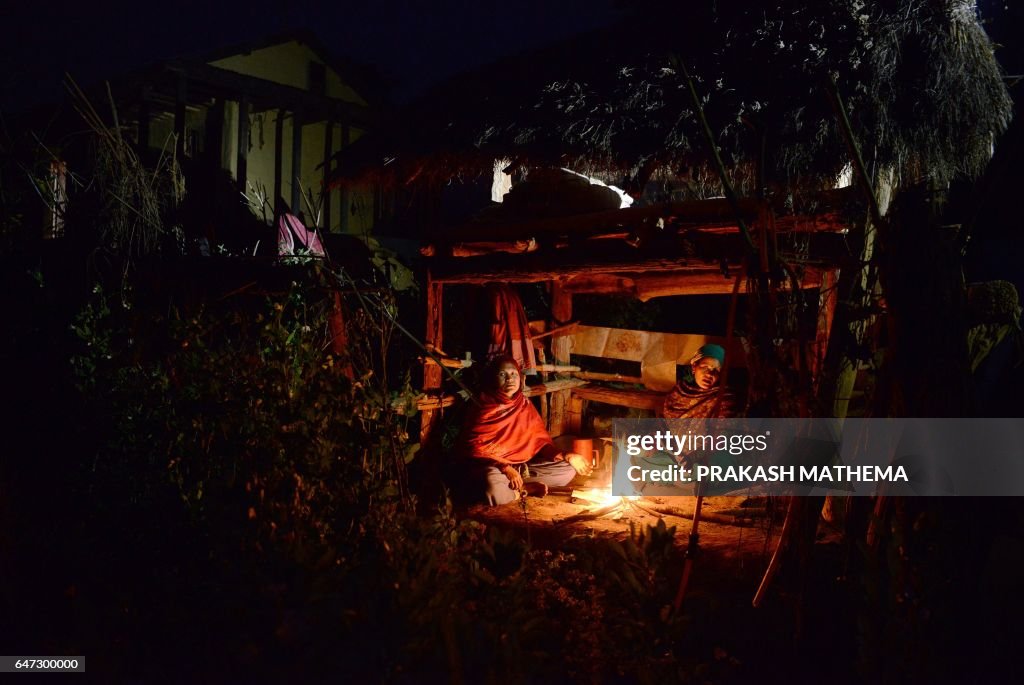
920,78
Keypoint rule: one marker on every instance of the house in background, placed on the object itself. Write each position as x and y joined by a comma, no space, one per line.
270,114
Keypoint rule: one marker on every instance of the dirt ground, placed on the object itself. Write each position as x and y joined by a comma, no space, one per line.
737,533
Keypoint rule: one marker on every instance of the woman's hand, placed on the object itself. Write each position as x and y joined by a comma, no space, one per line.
580,463
515,479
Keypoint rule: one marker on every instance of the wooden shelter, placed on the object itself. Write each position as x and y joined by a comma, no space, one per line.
671,249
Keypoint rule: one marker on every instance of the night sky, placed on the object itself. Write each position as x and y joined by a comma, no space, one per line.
412,44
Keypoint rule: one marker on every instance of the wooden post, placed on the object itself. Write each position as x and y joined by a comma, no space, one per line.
297,164
278,161
432,372
243,144
561,347
574,415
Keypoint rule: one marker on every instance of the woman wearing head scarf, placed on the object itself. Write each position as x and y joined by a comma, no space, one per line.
507,447
699,394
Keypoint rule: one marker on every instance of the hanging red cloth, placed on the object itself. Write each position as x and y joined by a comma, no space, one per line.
510,329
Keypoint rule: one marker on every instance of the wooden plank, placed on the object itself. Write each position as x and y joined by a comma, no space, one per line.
637,399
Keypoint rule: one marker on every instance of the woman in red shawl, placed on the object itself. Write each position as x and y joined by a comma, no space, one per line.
503,434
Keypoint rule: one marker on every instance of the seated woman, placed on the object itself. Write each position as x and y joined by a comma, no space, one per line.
698,395
504,433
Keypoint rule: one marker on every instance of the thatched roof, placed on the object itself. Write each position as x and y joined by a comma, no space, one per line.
919,79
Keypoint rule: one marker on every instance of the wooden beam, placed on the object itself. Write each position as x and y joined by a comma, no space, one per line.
703,253
637,399
609,377
491,247
707,281
551,269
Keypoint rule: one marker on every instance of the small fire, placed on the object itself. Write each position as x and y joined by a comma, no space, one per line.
600,497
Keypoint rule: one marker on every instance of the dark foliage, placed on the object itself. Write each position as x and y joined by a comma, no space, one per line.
919,78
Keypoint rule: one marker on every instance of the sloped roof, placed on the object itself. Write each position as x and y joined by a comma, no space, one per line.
361,77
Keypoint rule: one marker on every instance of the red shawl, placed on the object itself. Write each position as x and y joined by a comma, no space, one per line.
507,430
